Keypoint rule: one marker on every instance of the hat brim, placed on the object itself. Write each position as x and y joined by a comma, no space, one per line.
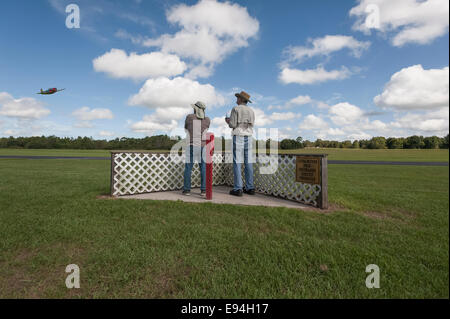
238,95
195,105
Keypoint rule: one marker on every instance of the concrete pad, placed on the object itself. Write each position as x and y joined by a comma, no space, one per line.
221,196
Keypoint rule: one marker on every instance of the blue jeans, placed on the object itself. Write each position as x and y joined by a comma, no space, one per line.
242,153
194,154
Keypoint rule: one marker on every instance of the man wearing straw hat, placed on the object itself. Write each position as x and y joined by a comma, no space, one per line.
242,120
196,125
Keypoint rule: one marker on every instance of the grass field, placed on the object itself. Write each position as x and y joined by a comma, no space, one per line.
333,154
51,215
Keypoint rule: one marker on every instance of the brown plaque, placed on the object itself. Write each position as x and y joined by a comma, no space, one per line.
308,170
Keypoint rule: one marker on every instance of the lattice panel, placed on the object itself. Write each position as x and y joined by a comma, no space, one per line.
280,183
137,173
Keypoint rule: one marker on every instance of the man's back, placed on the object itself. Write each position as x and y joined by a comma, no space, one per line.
196,127
242,120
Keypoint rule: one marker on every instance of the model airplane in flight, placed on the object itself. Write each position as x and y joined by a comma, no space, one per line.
50,91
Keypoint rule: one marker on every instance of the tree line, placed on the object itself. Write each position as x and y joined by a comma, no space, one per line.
164,142
157,142
379,142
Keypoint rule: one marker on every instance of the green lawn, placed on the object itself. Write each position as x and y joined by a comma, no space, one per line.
392,216
406,155
54,152
333,154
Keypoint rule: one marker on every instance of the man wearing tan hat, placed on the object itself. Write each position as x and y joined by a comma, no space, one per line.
196,126
242,120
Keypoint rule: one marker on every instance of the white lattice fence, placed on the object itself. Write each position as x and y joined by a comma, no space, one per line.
281,182
137,173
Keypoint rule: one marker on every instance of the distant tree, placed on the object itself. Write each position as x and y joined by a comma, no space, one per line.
289,144
444,142
333,144
378,142
364,143
394,143
164,142
346,144
308,143
318,143
431,142
414,142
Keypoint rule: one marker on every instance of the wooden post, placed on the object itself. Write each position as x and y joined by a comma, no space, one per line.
323,200
209,165
313,169
112,173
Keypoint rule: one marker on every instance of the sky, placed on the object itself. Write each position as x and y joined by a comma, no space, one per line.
336,70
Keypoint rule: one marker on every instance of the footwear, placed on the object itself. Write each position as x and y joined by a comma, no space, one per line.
203,193
249,192
236,192
187,193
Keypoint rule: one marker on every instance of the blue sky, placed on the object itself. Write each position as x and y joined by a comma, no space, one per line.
316,69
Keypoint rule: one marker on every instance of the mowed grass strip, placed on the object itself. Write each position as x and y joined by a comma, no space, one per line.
399,155
51,216
403,155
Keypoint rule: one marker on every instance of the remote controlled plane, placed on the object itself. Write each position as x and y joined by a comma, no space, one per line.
50,91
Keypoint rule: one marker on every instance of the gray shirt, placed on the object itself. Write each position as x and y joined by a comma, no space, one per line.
242,120
196,128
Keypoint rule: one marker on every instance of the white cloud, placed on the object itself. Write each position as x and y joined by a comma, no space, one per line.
22,108
312,76
313,122
219,127
178,93
427,123
376,125
210,31
116,63
173,113
322,105
325,46
412,21
86,114
319,47
262,119
151,124
277,116
350,124
34,127
414,88
345,121
300,100
359,136
171,99
345,113
335,132
83,124
11,132
106,133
